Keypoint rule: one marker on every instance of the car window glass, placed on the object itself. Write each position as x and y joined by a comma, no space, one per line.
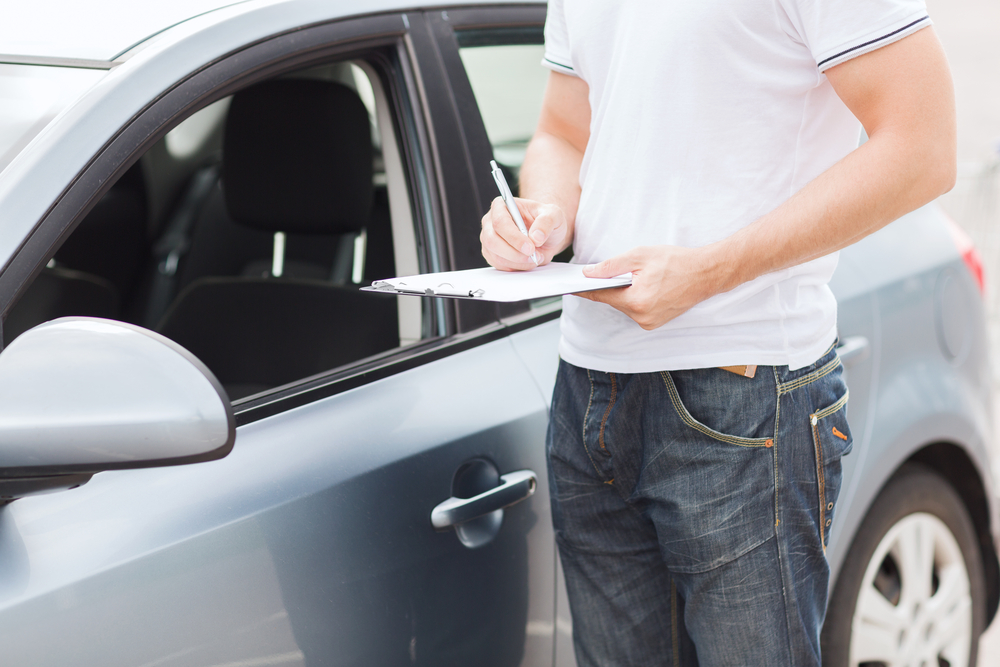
31,96
245,233
191,135
508,80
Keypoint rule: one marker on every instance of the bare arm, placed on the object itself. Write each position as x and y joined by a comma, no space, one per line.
550,182
902,94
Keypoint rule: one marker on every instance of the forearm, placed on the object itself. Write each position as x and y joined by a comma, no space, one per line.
890,175
551,174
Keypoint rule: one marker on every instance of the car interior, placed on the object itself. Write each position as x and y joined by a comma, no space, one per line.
244,234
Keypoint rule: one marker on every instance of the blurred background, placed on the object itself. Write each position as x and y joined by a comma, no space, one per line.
970,32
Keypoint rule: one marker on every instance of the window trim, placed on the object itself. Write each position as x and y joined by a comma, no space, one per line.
390,363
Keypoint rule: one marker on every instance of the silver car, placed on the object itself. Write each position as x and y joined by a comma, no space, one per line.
191,195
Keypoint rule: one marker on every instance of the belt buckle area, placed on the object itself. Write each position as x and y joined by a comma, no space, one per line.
746,371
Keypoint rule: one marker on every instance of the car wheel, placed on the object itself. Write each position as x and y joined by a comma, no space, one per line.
911,590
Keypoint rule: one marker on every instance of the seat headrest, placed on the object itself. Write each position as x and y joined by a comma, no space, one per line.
297,157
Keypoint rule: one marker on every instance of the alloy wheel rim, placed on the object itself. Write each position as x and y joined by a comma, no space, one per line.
914,608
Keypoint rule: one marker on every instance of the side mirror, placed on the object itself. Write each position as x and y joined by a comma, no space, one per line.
79,395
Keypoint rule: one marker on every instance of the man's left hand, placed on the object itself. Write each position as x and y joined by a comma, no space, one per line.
666,282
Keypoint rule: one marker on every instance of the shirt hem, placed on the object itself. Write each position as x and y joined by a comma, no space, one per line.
679,362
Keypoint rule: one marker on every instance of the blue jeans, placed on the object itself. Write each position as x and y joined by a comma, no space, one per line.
692,511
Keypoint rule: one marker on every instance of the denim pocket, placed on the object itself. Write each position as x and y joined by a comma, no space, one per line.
831,441
729,400
712,490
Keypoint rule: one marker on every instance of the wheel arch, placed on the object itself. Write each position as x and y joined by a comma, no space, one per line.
952,463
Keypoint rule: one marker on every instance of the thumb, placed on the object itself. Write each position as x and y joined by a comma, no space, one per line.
612,267
543,220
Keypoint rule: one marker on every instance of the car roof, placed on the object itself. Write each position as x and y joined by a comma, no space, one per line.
91,30
103,30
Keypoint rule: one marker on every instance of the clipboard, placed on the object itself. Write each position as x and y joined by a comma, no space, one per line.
489,284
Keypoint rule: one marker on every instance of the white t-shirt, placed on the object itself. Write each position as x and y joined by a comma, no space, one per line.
704,117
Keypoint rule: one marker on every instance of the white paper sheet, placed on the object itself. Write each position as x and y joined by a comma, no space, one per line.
489,284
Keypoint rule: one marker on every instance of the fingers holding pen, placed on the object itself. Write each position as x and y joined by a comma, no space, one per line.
504,245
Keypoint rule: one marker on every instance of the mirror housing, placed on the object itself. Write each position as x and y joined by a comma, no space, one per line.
79,395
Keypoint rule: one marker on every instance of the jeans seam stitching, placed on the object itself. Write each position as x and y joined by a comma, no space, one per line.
698,426
814,418
810,378
836,406
777,422
674,630
586,416
777,520
590,401
820,478
611,403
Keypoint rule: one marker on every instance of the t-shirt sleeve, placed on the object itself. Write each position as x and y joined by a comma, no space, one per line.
838,30
557,50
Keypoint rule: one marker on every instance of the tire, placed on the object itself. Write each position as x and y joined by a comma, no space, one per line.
881,613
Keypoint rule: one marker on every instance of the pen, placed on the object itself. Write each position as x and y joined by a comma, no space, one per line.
508,199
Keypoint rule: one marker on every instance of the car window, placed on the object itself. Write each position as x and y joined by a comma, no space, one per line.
508,80
246,231
31,96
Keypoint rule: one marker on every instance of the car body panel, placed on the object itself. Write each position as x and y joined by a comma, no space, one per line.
316,524
536,347
80,31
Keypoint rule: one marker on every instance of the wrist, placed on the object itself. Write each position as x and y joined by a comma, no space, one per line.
720,268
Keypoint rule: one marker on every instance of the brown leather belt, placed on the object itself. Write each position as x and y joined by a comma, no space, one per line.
745,371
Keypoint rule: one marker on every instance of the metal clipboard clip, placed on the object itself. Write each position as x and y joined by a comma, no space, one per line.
443,289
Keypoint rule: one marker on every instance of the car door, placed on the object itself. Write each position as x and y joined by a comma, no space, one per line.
312,542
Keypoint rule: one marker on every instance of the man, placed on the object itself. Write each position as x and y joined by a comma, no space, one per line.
698,420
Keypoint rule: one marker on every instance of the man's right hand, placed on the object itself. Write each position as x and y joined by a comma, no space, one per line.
506,248
550,174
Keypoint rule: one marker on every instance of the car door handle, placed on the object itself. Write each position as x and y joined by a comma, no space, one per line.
853,349
514,487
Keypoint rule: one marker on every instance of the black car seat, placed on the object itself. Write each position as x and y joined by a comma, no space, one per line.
297,159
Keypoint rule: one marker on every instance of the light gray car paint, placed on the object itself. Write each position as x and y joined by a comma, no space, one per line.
104,31
77,391
194,565
78,30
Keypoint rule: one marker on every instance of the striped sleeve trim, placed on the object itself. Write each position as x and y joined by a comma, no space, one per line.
873,44
558,67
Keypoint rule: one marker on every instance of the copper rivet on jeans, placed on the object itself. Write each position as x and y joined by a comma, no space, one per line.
829,506
769,443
